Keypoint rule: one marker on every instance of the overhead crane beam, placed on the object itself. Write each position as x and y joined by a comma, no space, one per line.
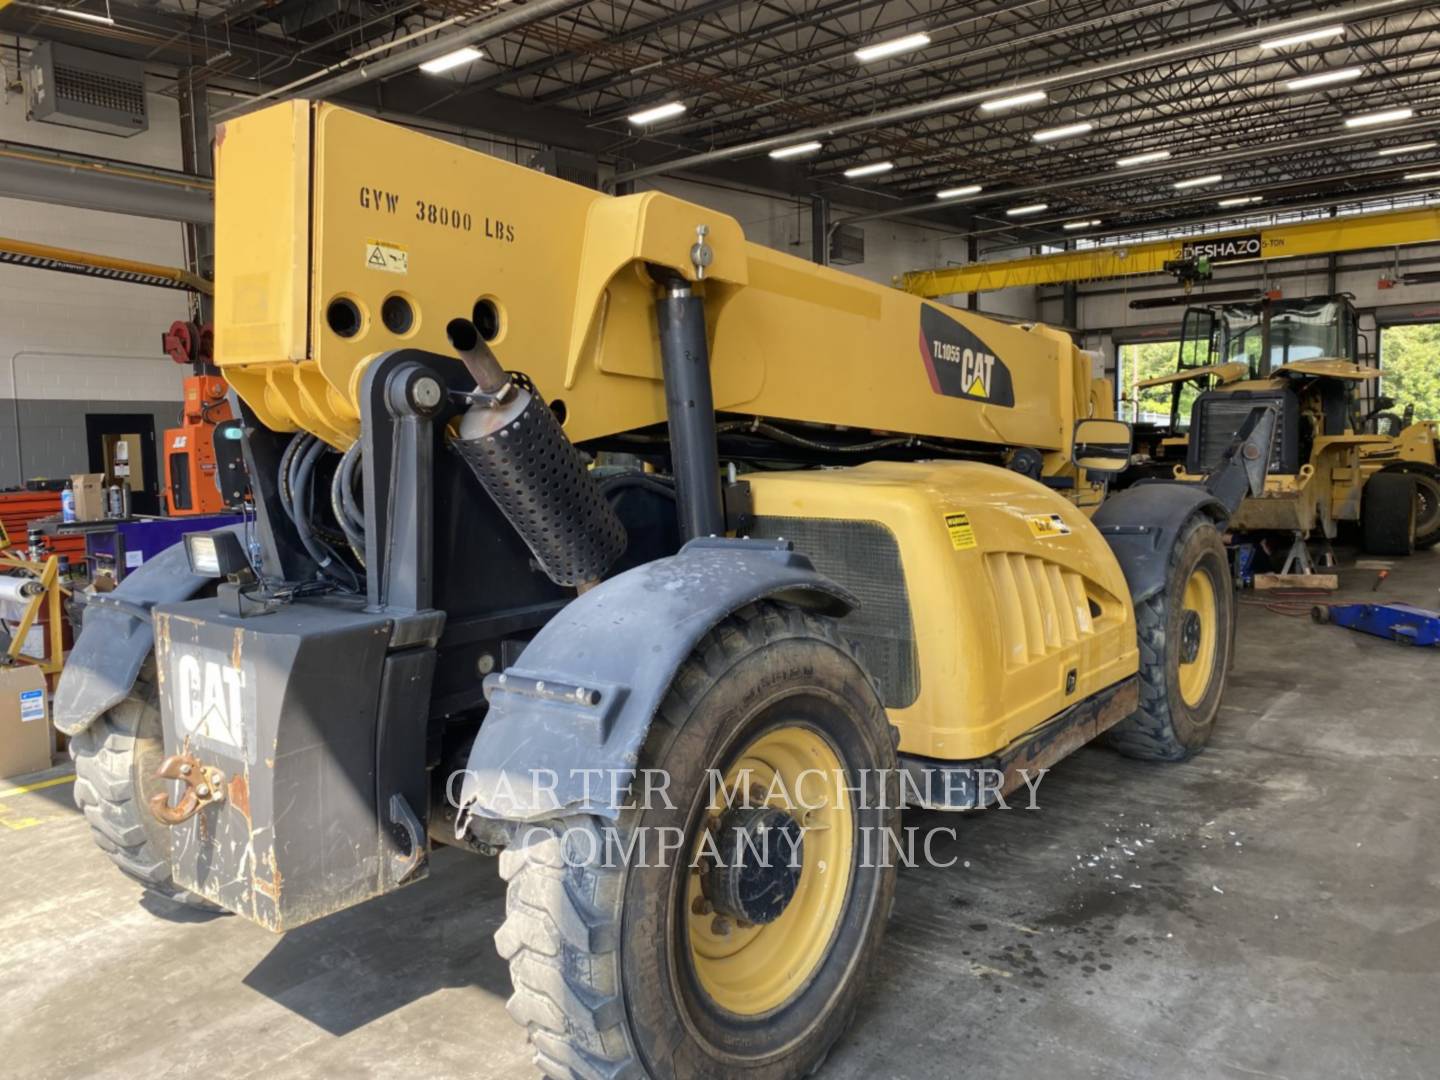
1361,232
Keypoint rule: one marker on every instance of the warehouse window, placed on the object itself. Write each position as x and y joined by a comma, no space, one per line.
1410,367
1146,360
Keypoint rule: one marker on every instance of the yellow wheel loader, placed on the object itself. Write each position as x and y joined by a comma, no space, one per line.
591,535
1332,461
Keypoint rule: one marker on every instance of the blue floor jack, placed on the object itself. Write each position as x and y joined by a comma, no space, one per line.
1399,622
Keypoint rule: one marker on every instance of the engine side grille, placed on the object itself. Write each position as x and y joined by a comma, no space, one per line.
1223,416
864,557
1043,607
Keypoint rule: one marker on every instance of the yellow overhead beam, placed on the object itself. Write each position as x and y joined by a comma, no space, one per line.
1355,233
68,261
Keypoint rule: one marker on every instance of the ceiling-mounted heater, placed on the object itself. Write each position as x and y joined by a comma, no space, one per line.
90,90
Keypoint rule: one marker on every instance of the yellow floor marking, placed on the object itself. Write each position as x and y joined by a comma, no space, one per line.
26,788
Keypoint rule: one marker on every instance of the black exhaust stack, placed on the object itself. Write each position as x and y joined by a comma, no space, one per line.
517,450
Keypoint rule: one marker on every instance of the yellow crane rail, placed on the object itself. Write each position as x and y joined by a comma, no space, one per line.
67,261
1322,237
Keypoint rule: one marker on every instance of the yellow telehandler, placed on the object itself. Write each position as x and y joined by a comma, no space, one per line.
590,534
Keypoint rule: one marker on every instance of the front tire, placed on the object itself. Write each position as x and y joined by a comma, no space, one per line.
624,967
1186,636
1427,499
115,762
1389,507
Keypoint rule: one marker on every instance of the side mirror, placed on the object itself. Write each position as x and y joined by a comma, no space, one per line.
1103,446
1382,403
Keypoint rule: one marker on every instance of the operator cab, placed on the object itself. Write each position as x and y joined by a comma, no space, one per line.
1264,336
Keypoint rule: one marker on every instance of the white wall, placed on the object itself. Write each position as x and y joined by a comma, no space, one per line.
66,336
70,344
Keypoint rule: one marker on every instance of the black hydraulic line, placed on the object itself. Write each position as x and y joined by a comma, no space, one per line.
644,481
690,412
354,532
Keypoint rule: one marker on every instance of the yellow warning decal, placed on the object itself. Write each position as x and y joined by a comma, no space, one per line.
1047,526
387,257
962,536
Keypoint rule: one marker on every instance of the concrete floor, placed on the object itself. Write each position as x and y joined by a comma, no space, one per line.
1271,909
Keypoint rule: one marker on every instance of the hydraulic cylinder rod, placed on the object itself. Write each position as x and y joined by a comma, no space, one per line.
690,411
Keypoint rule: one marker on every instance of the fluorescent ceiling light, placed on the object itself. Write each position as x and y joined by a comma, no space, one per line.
76,13
1389,116
880,50
1033,208
1325,78
1050,134
795,151
1081,224
1027,98
1429,174
451,60
1408,148
659,112
873,169
1142,159
1318,34
1198,181
957,192
1240,200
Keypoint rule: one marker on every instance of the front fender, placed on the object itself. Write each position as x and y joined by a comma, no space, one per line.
117,636
1142,523
577,705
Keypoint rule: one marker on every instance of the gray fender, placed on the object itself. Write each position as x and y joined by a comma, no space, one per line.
1142,523
576,706
117,636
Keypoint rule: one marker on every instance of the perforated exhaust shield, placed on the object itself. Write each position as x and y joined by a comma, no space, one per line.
535,475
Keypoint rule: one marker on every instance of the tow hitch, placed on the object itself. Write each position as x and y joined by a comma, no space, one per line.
204,784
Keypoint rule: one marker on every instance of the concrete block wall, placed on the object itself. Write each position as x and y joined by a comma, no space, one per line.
69,344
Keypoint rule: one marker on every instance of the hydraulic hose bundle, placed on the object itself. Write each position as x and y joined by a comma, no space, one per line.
297,489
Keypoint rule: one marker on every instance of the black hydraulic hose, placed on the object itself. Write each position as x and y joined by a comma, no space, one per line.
285,477
613,484
348,464
354,529
318,550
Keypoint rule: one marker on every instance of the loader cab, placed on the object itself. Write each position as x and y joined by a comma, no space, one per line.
1264,336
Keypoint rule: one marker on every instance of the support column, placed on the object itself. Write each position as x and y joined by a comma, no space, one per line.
820,230
197,159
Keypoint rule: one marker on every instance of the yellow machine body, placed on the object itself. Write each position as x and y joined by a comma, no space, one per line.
317,204
1017,606
1019,609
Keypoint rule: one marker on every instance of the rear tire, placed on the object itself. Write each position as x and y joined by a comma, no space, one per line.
1427,505
115,762
612,961
1186,634
1388,513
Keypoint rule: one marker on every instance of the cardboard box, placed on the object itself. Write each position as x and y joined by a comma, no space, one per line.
89,491
25,736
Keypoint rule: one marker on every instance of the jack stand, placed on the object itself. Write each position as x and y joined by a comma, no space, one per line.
1298,559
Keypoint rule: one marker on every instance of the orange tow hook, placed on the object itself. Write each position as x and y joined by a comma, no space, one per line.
203,786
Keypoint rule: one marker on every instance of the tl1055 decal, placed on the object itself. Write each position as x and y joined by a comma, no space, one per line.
960,364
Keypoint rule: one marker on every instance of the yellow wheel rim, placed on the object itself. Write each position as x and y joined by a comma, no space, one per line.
1199,601
751,970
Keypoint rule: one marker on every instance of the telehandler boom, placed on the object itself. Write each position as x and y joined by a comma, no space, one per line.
583,527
